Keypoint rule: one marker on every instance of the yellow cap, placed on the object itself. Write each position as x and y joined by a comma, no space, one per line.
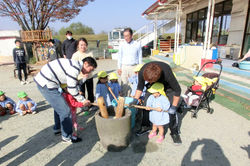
113,76
102,74
157,87
138,68
63,86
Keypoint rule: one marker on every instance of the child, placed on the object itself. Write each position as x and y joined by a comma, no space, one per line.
159,118
102,89
73,104
6,103
20,62
25,104
115,87
199,86
133,80
52,51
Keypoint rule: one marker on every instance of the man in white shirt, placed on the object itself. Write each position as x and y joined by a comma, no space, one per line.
49,79
129,55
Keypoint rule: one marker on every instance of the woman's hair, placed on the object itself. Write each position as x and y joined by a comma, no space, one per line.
82,39
152,72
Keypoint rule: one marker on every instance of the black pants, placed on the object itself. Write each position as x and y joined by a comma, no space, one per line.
172,118
21,66
90,86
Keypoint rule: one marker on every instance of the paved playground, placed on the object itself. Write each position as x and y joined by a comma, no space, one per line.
222,138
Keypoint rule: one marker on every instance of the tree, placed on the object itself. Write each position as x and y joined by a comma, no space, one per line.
77,29
36,14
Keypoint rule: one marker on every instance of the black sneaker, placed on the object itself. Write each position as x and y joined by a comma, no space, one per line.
176,138
75,139
143,130
57,132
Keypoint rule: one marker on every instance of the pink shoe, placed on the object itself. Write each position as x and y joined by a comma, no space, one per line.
152,134
160,139
80,128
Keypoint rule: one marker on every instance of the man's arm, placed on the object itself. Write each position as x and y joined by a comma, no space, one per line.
63,50
119,61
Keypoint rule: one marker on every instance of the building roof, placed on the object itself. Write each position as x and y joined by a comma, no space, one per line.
166,9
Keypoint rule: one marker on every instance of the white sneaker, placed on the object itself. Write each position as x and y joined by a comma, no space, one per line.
22,82
34,112
27,82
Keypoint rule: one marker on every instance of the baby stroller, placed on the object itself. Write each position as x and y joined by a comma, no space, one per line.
205,96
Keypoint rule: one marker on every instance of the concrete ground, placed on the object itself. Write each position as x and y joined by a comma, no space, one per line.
222,138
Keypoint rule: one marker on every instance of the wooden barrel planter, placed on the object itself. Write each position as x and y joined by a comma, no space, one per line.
114,134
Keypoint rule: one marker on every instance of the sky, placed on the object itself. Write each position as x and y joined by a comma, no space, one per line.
101,15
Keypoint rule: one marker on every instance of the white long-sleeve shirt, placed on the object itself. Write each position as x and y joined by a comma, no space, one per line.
61,71
129,54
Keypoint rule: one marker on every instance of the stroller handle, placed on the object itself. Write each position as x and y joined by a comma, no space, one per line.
216,63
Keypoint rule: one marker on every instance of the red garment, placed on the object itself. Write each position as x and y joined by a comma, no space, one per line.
195,88
73,104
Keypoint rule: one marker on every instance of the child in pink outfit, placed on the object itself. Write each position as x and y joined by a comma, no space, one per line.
73,104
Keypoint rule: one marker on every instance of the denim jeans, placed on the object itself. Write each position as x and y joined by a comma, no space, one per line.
62,114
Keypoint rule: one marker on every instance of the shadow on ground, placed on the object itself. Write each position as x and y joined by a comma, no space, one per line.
211,154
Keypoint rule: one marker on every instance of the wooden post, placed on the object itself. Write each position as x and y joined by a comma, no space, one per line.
102,107
120,107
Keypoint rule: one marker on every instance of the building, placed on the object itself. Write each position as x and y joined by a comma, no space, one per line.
230,21
7,43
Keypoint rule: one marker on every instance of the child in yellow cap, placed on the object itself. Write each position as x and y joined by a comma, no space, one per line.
25,104
159,118
133,80
102,89
114,85
6,103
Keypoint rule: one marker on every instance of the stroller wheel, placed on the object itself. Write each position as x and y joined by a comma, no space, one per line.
211,110
193,115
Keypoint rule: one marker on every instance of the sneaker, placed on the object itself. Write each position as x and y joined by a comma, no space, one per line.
152,134
66,140
176,138
12,112
34,112
160,139
57,132
75,139
143,130
22,83
27,82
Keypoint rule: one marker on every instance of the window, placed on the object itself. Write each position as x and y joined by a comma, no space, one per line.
196,23
222,19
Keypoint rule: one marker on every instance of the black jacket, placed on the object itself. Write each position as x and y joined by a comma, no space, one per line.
69,47
19,55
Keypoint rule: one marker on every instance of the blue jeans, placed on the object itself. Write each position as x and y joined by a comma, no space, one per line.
62,114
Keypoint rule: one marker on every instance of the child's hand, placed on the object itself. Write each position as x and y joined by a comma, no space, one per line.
158,109
86,103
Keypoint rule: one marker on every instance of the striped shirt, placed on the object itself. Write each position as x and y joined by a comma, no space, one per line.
129,54
61,71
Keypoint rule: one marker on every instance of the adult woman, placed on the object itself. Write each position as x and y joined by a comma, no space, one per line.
79,55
